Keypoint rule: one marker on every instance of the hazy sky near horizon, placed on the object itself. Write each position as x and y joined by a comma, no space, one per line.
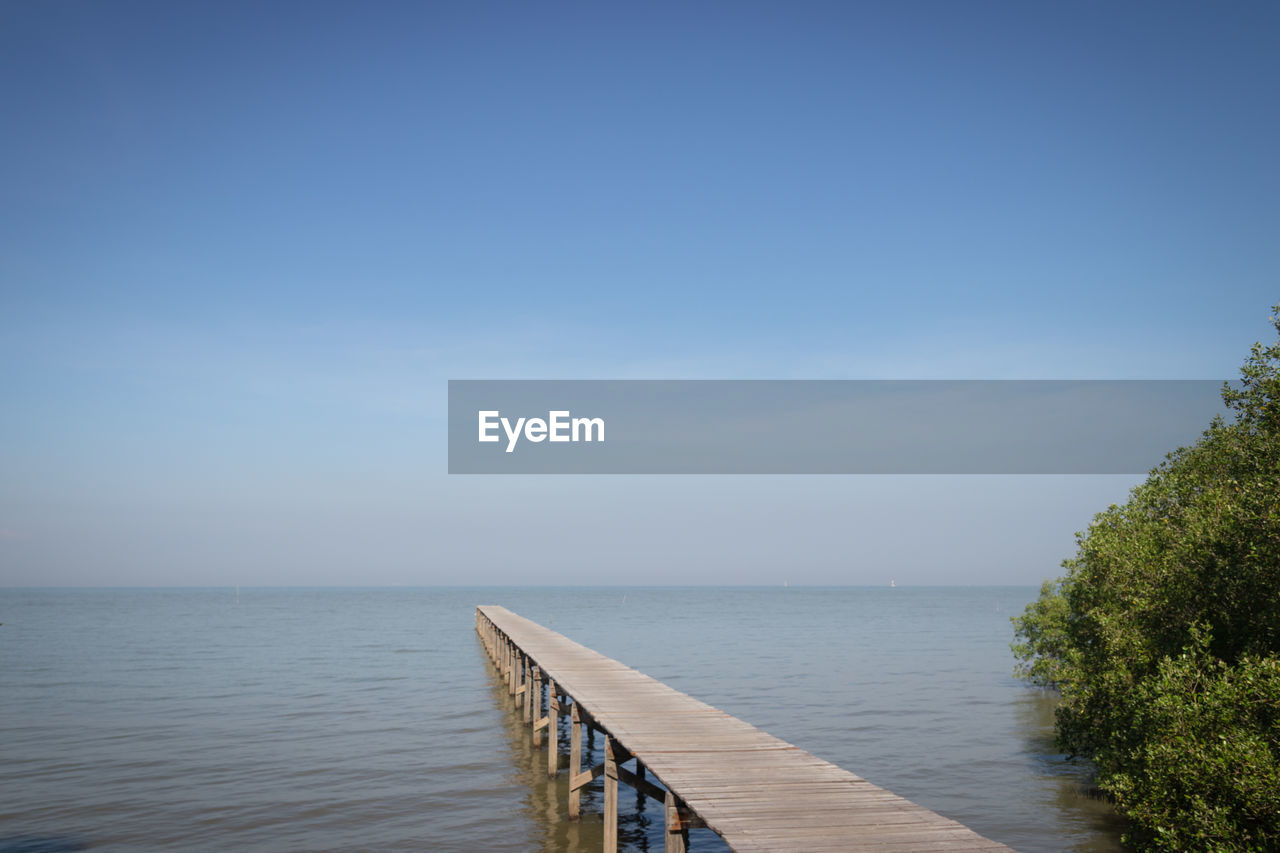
243,246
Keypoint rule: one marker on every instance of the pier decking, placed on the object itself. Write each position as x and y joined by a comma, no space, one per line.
755,791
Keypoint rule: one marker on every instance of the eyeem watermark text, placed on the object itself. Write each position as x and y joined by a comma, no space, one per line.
559,425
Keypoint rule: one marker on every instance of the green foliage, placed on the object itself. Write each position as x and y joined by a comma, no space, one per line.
1163,636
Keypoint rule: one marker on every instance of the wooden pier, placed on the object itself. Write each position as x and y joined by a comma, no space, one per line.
755,791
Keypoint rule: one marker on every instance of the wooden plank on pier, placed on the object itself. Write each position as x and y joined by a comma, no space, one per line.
759,793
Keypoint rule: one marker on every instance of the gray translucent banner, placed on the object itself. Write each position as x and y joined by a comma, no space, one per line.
823,426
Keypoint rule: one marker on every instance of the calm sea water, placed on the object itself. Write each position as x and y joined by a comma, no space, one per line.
340,719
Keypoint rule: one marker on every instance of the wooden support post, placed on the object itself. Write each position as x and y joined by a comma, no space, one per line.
553,729
520,668
538,707
575,760
677,834
526,688
522,684
610,798
533,703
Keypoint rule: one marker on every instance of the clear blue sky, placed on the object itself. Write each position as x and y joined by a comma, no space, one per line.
244,245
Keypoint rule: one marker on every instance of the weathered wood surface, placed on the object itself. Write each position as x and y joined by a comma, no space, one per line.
757,792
